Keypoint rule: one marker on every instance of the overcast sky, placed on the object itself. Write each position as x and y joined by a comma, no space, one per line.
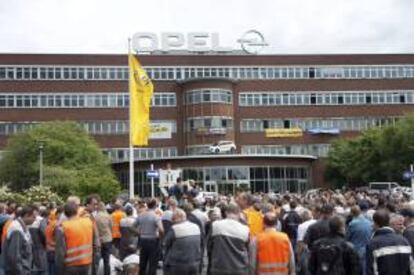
289,26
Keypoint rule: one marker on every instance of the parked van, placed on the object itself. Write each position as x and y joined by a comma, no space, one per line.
380,186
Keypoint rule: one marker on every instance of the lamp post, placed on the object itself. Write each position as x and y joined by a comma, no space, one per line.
412,181
41,146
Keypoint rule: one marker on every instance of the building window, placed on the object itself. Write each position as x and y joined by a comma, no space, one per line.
105,73
208,96
66,100
323,98
343,124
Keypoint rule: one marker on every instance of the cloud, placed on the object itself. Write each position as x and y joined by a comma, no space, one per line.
294,26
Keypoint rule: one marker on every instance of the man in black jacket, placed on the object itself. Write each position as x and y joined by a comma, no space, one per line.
333,254
387,253
290,224
319,229
408,215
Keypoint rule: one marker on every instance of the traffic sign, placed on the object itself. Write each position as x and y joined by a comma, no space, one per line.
408,175
153,174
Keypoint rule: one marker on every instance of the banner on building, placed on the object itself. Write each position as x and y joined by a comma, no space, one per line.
160,130
283,133
327,131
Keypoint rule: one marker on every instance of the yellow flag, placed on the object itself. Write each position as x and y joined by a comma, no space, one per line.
140,93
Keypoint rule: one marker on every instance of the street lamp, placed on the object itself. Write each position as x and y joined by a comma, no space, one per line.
41,146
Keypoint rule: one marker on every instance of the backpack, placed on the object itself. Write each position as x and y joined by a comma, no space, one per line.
330,259
290,224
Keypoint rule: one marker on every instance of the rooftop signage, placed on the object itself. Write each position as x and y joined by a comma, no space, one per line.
251,42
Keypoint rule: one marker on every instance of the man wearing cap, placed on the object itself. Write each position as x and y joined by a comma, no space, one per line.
408,215
364,206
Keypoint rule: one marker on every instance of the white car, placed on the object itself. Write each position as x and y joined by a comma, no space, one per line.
223,147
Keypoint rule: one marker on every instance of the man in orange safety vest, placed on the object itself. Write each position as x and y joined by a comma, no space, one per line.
75,243
271,251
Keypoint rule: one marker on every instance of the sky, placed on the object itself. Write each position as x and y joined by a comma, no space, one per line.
289,26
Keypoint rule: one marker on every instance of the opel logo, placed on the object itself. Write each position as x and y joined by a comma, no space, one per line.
252,42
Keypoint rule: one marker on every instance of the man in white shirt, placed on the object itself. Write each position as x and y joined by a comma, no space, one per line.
302,250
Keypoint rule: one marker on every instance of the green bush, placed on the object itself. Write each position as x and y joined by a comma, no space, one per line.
41,194
73,163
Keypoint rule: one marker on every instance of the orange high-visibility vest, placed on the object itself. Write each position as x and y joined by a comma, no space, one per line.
117,216
5,229
254,221
273,252
50,234
79,240
52,214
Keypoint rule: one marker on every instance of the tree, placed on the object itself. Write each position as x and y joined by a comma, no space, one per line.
73,162
380,154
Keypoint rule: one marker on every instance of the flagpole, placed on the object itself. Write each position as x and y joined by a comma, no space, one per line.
131,147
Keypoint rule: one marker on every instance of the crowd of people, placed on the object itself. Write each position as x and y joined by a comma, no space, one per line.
324,232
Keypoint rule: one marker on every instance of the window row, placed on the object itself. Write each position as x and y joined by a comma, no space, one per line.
319,150
208,96
326,98
223,174
51,72
122,154
212,122
102,127
31,72
69,100
345,124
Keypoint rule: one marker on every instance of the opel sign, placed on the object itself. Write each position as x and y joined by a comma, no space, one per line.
251,42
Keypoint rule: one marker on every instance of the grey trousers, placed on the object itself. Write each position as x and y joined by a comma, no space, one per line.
78,270
182,270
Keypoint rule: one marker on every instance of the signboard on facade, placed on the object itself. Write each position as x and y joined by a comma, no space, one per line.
160,130
168,177
203,131
283,133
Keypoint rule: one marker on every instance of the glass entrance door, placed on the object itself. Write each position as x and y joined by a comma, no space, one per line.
226,187
210,186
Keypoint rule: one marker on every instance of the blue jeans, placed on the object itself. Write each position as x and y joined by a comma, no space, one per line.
51,266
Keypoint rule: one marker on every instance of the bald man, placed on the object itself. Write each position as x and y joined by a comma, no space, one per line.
183,246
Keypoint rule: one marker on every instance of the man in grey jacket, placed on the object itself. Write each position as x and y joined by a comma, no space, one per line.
183,246
228,245
37,231
17,249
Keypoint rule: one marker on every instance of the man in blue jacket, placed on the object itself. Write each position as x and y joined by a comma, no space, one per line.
359,233
388,253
